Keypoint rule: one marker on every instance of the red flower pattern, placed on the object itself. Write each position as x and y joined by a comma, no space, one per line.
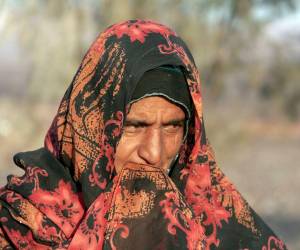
62,206
206,201
173,209
92,228
24,242
137,30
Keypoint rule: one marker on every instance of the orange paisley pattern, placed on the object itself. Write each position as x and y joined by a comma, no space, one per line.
70,196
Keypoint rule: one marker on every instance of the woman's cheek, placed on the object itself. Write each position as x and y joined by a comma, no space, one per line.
172,145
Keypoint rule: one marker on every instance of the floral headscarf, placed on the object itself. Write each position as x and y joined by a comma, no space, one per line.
70,196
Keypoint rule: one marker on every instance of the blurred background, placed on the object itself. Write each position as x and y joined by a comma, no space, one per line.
248,53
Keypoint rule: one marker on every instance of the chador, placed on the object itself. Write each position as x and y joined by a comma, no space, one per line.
126,163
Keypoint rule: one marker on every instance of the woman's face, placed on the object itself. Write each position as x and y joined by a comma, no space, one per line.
152,135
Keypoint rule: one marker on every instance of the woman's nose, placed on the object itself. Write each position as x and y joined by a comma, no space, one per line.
150,150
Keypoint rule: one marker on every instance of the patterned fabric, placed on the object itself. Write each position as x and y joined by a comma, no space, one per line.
70,196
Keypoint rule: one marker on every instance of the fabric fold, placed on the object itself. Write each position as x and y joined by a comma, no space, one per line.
71,197
42,208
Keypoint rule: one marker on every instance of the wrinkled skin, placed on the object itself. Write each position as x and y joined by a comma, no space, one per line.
72,196
152,134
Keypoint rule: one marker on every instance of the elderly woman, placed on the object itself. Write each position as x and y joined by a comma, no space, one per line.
126,163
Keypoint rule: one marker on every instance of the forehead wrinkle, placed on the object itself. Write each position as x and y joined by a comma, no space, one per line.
154,109
161,115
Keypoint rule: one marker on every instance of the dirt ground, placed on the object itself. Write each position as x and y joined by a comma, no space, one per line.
264,164
260,157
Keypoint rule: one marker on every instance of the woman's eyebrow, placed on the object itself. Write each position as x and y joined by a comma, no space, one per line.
136,122
175,122
143,123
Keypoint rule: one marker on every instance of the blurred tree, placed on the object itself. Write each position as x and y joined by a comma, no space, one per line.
223,36
236,29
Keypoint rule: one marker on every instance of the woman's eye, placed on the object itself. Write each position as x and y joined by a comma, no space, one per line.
132,128
173,128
